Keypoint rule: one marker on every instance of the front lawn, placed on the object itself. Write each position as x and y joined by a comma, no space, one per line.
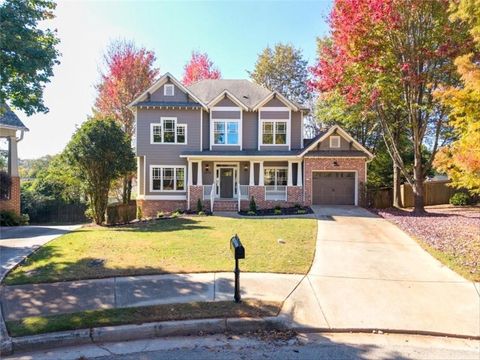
451,234
181,245
139,315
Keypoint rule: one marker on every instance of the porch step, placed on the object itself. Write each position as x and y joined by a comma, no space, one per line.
225,205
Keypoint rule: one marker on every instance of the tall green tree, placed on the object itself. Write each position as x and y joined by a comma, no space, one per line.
28,53
100,152
283,69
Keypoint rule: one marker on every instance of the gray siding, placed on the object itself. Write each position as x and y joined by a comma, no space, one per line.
226,102
325,144
250,130
226,147
274,103
206,131
274,148
179,95
141,179
275,115
296,129
226,115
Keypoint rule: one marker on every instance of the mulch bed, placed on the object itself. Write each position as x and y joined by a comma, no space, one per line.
295,210
454,231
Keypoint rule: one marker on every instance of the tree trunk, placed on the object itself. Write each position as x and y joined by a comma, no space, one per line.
418,202
396,186
125,195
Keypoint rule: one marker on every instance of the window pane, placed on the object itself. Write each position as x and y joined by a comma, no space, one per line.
269,178
281,176
180,179
267,133
232,136
169,131
157,133
181,134
280,139
168,179
280,133
156,175
219,132
156,184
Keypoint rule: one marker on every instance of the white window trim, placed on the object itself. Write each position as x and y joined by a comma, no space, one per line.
287,131
175,167
168,86
337,138
176,125
239,131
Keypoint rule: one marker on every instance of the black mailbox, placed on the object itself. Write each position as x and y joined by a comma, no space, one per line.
237,248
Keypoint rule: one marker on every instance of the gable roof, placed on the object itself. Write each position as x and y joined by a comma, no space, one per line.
228,94
336,128
247,92
283,99
165,78
8,119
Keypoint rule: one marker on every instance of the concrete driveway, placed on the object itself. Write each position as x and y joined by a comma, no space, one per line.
19,241
368,274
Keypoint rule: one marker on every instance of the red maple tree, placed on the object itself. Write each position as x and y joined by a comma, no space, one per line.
199,67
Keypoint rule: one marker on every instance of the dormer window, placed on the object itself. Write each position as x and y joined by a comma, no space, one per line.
168,90
335,142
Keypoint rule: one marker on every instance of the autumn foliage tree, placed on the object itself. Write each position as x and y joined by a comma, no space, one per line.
397,53
198,68
128,72
461,159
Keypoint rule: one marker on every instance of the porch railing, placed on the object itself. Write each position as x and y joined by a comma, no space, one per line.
212,196
207,189
278,192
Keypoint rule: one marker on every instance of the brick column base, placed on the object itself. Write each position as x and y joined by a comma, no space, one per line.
196,192
12,204
295,195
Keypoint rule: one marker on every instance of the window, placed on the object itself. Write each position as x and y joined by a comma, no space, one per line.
274,132
168,90
167,178
334,141
225,132
275,178
168,132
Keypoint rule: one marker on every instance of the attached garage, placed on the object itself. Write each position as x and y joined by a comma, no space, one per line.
334,188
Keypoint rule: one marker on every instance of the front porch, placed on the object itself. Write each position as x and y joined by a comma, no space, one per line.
229,185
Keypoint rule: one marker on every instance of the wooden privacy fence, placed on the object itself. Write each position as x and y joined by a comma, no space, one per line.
435,193
58,212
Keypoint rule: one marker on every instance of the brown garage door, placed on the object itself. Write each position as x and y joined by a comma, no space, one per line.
334,188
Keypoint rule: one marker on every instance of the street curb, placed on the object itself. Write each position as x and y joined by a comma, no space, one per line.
142,331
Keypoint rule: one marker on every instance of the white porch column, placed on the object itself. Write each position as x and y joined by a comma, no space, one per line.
199,173
289,174
190,173
299,174
261,182
252,178
12,156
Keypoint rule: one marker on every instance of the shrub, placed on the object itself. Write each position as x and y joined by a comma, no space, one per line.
277,211
179,211
253,205
199,206
301,211
10,218
160,214
460,199
175,214
139,213
5,185
298,206
250,212
278,207
201,213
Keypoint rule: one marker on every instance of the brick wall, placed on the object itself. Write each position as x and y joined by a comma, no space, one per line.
295,194
14,202
151,207
196,192
312,164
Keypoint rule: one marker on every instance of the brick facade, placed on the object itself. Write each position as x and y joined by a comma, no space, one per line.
327,164
13,203
196,192
294,196
151,207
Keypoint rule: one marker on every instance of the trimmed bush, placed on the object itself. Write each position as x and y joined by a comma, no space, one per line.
460,199
199,206
9,218
121,213
277,211
253,205
160,214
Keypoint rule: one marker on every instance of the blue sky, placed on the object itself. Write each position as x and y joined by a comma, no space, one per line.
232,33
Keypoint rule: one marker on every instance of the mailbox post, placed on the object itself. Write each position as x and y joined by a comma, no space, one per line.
239,253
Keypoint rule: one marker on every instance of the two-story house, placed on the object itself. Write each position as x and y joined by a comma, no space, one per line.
225,141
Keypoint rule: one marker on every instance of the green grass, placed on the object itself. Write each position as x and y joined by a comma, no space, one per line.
109,317
182,245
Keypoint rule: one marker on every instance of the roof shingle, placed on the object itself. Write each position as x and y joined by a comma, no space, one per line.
9,119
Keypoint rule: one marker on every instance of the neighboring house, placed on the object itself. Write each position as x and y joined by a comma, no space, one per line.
226,141
10,126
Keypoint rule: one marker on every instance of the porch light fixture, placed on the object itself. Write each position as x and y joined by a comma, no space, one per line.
245,168
335,163
207,168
